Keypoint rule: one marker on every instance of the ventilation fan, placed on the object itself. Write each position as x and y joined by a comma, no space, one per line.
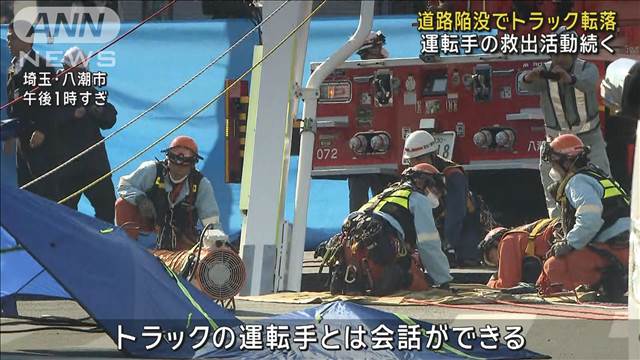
220,273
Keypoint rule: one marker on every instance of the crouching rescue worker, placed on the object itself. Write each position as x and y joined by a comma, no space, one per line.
517,253
595,210
373,253
169,197
458,218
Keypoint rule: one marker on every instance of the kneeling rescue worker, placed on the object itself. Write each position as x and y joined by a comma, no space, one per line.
458,218
373,253
169,197
518,253
595,221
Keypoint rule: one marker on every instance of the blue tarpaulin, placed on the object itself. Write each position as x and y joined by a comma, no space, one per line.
158,57
335,326
22,276
116,280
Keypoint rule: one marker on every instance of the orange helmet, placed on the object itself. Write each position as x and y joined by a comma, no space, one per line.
427,172
184,142
567,145
425,168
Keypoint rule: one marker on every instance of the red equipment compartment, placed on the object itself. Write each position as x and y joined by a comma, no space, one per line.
460,94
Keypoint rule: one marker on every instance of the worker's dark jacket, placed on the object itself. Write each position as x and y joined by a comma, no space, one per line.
33,162
79,133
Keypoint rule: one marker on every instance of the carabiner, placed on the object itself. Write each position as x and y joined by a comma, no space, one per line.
346,274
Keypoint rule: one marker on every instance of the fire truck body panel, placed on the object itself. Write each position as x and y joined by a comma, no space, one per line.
455,98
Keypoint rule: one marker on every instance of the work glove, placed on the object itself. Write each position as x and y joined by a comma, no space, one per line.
145,207
561,248
215,238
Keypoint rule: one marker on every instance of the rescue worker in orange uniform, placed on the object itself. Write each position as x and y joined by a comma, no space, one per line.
595,212
517,253
169,197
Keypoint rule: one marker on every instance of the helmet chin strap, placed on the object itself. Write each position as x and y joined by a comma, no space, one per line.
177,181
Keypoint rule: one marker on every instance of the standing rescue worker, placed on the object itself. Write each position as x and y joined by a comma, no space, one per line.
169,197
359,185
567,87
79,128
517,253
36,132
595,222
408,207
458,218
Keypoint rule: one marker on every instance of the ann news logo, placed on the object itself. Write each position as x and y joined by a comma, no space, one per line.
70,25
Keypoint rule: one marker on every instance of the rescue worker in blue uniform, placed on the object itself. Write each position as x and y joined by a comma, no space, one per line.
169,197
408,207
458,217
567,87
359,185
595,210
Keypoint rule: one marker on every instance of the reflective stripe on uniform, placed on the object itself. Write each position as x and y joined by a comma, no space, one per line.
399,197
612,189
556,103
589,208
430,236
584,122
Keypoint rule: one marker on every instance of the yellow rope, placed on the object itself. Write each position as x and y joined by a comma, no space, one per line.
197,112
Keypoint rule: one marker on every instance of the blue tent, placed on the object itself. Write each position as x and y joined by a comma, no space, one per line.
338,316
117,281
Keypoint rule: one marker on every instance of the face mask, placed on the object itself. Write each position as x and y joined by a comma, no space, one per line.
177,181
433,199
555,175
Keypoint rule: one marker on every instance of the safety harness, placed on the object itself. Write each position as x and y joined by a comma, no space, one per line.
177,221
395,202
537,228
615,201
532,263
368,255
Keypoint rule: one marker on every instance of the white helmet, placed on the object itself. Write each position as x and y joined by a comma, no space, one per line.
418,143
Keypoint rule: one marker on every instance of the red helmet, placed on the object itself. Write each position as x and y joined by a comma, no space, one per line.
564,146
567,144
185,142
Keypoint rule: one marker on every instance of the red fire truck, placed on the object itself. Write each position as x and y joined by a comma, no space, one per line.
472,105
